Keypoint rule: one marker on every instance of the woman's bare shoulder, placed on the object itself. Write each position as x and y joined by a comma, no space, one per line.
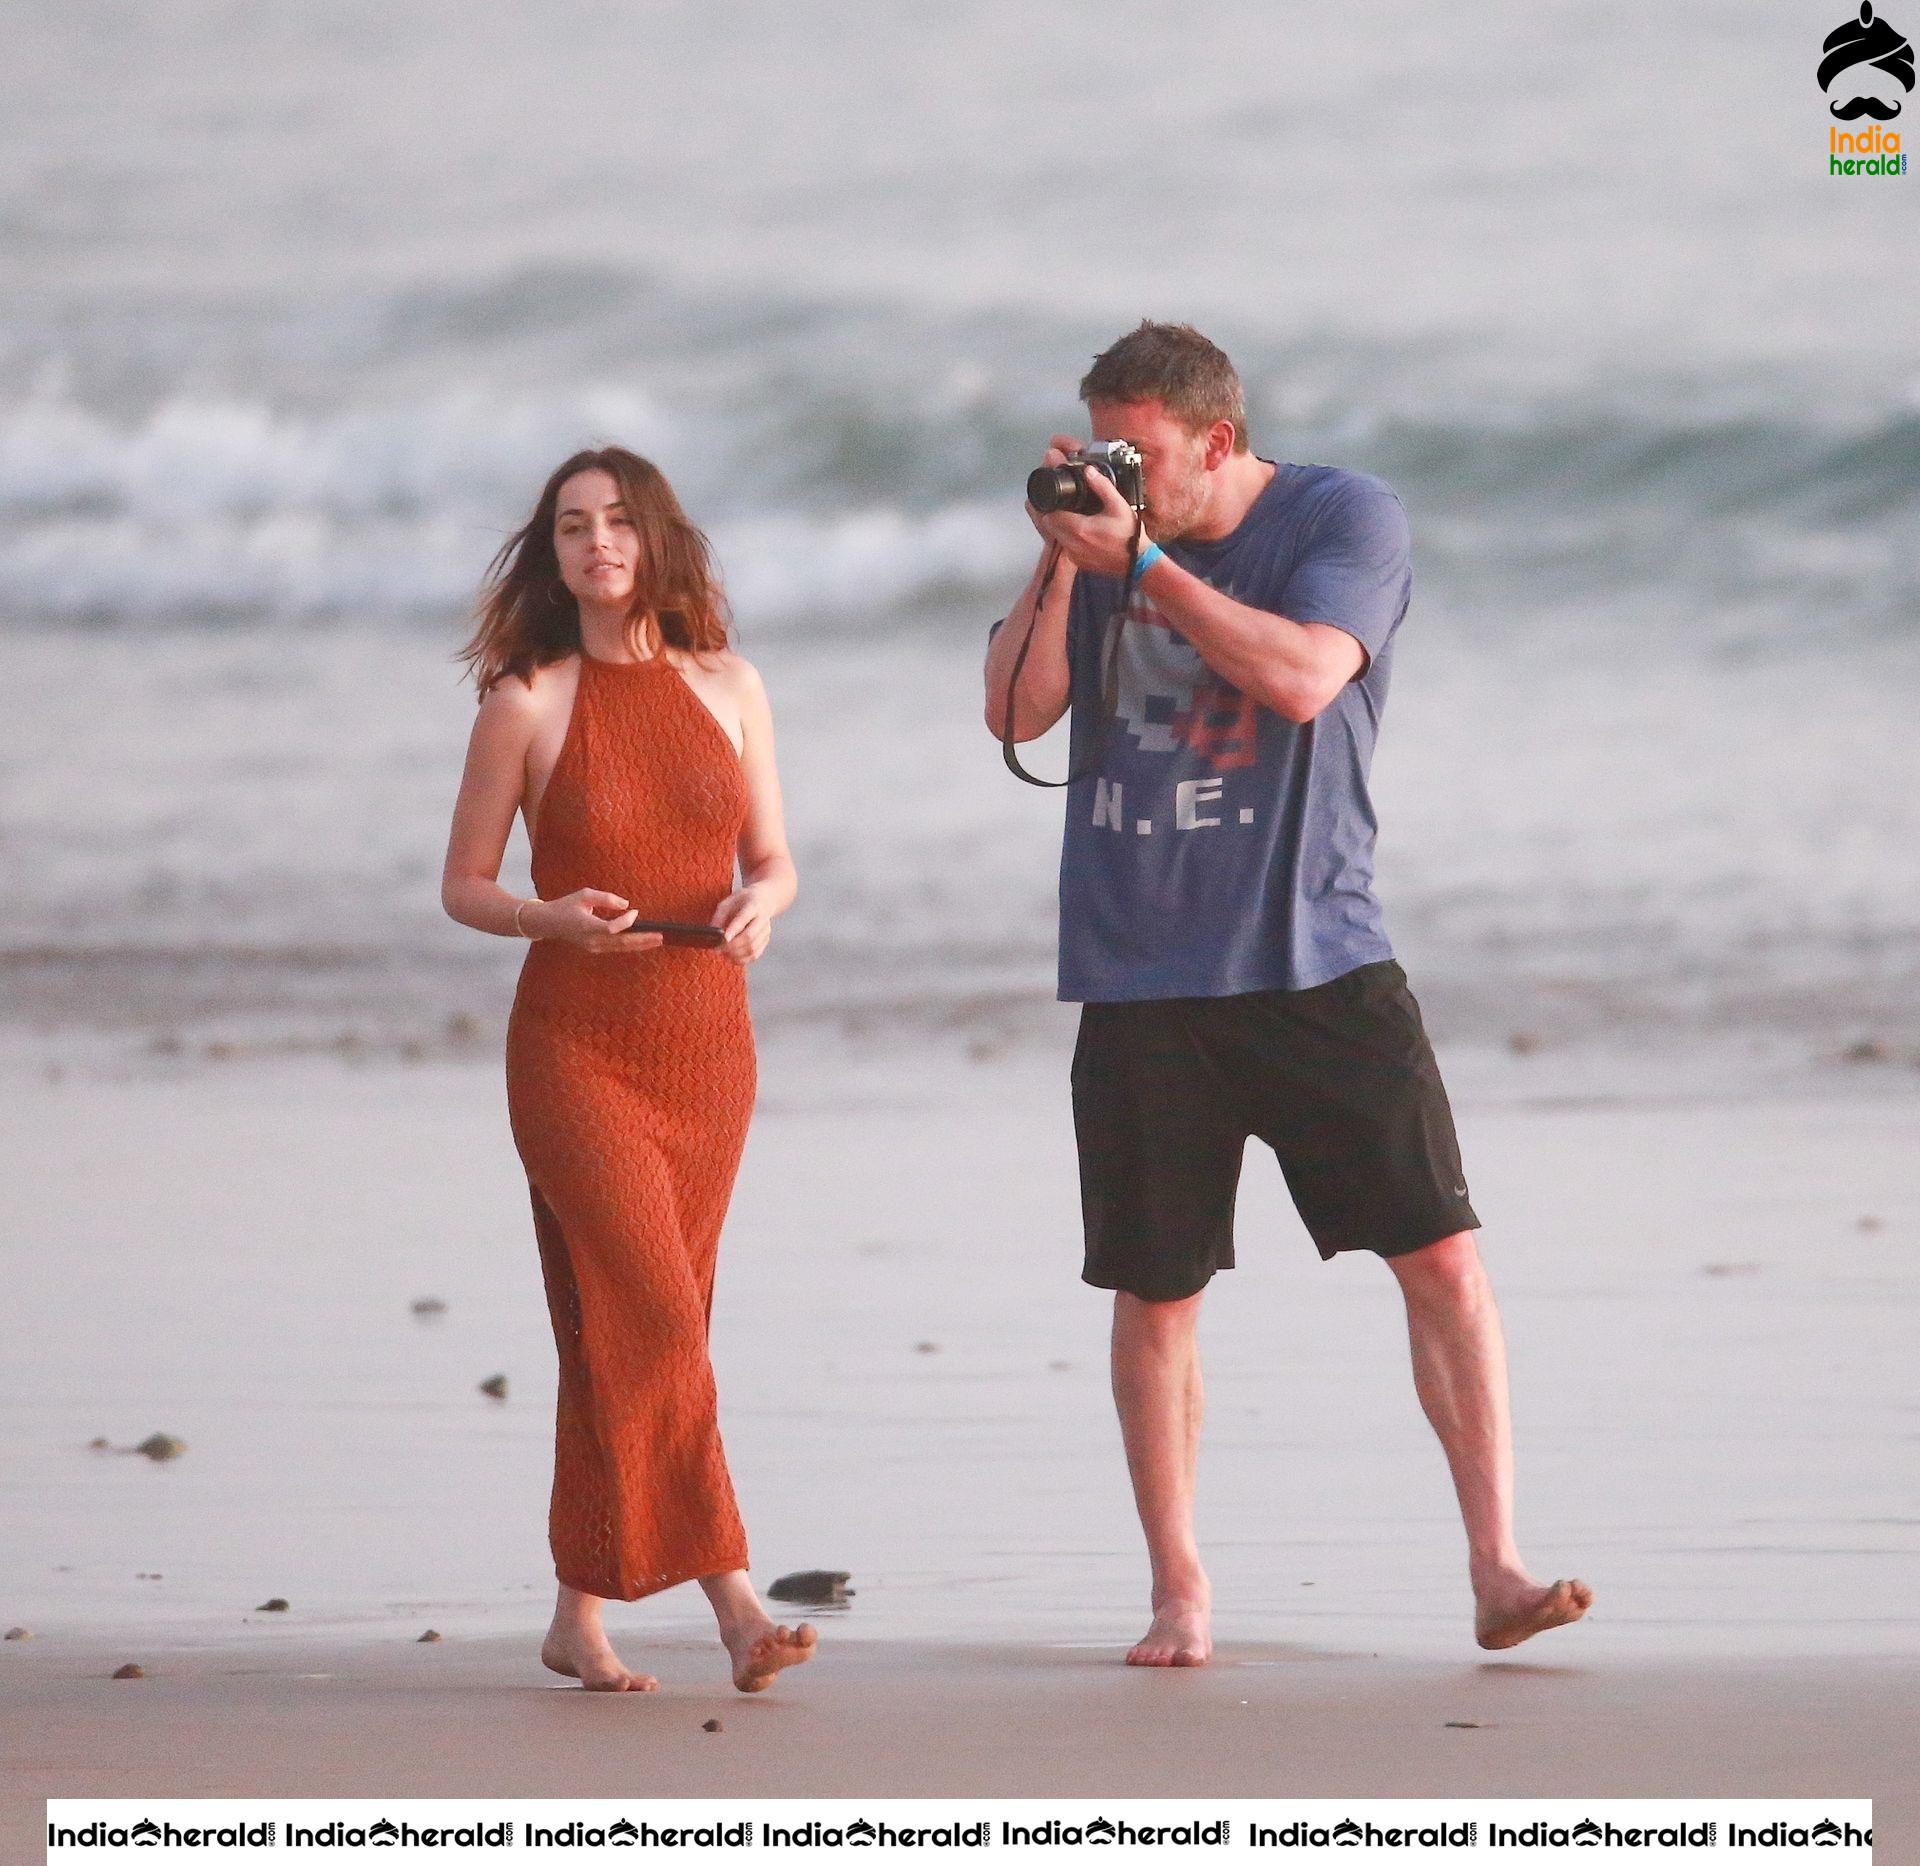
740,674
531,696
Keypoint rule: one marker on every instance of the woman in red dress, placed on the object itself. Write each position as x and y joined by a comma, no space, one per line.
639,750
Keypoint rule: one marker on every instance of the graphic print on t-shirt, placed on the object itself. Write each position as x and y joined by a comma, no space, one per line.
1169,698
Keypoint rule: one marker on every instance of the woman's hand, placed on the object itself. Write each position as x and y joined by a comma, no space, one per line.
744,919
590,918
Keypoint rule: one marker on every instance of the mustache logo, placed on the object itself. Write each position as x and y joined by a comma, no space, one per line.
1872,42
1865,107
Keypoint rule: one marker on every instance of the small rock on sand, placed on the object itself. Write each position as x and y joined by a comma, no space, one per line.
130,1671
1524,1042
427,1638
926,1347
275,1605
428,1305
1871,1223
1866,1050
18,1632
1456,1724
98,1444
159,1446
713,1724
494,1386
813,1587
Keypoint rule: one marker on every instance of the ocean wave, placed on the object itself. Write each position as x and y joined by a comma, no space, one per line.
825,500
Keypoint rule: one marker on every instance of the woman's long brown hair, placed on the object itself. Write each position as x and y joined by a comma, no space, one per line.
528,617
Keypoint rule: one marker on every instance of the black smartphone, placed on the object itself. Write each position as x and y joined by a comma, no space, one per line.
680,932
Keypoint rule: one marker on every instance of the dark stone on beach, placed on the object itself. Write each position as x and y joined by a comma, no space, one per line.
427,1638
275,1605
18,1632
1871,1223
926,1347
462,1027
1524,1042
494,1386
1867,1050
159,1446
713,1724
130,1671
166,1044
813,1587
428,1305
1060,1367
99,1444
1454,1724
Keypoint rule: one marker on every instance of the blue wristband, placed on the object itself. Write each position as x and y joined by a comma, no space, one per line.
1143,563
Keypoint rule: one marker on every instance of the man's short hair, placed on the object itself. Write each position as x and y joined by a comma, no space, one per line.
1174,365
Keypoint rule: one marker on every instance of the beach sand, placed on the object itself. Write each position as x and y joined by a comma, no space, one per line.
914,1718
1709,1301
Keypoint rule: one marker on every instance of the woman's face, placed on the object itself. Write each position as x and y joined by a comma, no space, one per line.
594,539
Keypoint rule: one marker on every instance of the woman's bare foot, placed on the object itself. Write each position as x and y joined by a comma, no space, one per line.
1511,1605
759,1652
758,1648
576,1646
1181,1634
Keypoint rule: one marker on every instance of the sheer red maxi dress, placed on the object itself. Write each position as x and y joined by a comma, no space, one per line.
630,1080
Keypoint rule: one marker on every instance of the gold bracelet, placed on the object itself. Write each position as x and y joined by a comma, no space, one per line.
518,911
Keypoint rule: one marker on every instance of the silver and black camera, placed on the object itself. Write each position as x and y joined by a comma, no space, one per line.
1065,489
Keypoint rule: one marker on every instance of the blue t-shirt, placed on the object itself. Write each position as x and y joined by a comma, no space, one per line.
1220,847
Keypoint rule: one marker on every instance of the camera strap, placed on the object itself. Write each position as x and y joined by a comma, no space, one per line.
1109,698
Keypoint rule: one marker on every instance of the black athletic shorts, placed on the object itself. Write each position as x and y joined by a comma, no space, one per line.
1339,1080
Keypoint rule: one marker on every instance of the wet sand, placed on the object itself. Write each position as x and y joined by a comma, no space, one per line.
478,1718
1710,1304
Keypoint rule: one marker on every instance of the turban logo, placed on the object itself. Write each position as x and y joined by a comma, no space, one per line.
1872,42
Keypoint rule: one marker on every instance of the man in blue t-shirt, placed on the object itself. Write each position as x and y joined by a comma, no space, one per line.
1226,652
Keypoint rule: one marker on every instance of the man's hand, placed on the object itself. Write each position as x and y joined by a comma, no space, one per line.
1102,543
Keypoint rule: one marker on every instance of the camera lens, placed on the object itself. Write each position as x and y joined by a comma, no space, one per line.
1062,489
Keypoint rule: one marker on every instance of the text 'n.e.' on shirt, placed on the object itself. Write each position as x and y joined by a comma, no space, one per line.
1220,847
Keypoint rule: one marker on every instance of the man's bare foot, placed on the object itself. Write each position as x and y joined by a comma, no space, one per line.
759,1651
578,1651
1510,1607
1181,1634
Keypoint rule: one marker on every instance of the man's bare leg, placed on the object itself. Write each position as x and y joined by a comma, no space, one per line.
1460,1373
576,1646
1156,1388
758,1648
